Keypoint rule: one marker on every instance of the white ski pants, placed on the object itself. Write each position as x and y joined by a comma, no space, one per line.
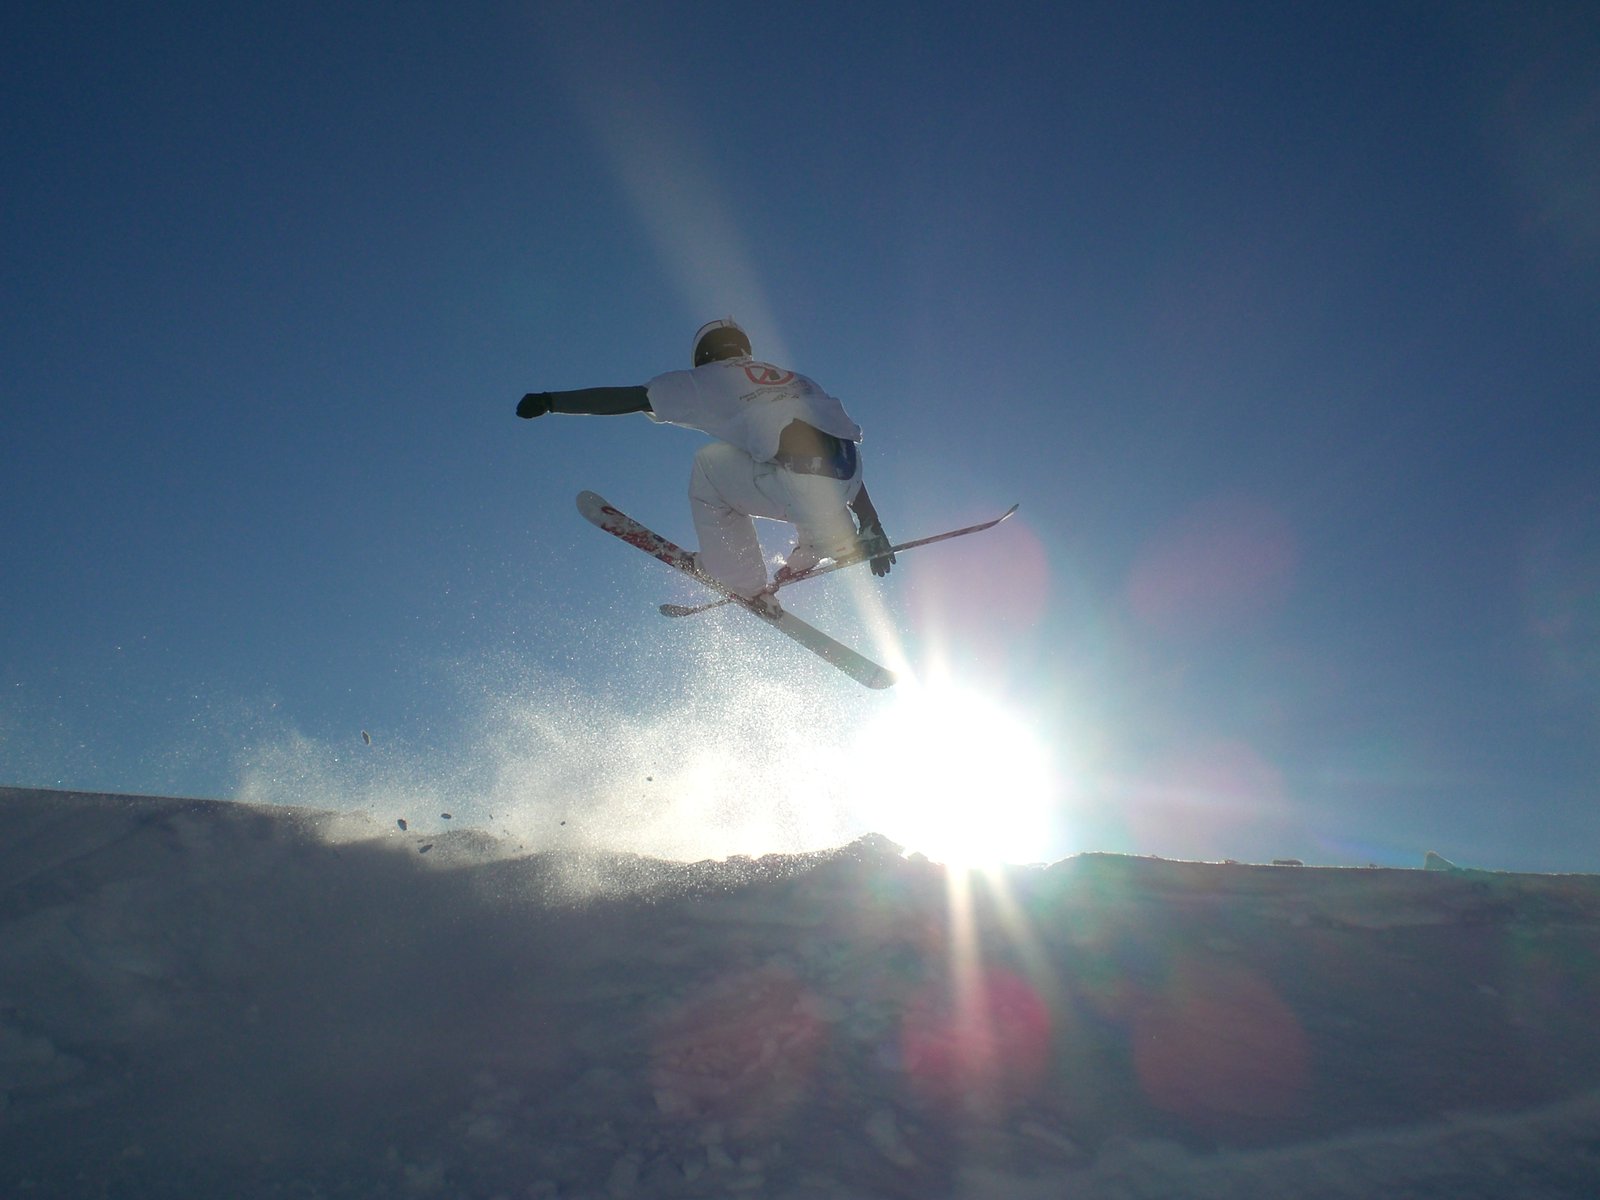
728,488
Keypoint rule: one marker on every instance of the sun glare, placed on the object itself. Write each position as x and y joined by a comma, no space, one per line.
952,774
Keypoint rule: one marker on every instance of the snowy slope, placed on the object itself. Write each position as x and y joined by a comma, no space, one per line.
203,999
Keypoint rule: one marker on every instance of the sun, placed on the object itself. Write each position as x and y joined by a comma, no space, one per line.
953,774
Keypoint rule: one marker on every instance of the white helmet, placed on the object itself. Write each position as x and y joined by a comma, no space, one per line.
720,339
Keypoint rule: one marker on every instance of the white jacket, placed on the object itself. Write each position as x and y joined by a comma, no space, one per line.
747,404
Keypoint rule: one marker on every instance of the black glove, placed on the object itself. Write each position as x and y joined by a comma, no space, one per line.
876,545
534,404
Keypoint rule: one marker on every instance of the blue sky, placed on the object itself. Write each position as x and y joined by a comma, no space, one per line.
1279,321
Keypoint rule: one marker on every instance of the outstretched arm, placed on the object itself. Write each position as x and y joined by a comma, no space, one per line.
589,402
873,539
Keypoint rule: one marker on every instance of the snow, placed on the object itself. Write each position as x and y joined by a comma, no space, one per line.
212,998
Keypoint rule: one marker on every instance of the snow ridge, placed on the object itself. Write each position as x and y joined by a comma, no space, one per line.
199,997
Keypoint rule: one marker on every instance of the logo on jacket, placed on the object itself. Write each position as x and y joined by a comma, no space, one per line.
765,375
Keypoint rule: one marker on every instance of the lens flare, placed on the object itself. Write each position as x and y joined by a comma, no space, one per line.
949,772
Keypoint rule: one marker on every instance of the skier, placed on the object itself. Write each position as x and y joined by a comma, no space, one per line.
786,451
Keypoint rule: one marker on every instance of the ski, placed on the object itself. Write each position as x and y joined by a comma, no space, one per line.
617,523
835,564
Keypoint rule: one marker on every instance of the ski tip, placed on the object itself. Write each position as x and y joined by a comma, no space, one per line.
596,509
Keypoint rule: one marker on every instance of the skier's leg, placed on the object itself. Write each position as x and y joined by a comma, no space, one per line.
817,506
723,497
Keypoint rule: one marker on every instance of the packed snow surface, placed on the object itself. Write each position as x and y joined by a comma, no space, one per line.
202,998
